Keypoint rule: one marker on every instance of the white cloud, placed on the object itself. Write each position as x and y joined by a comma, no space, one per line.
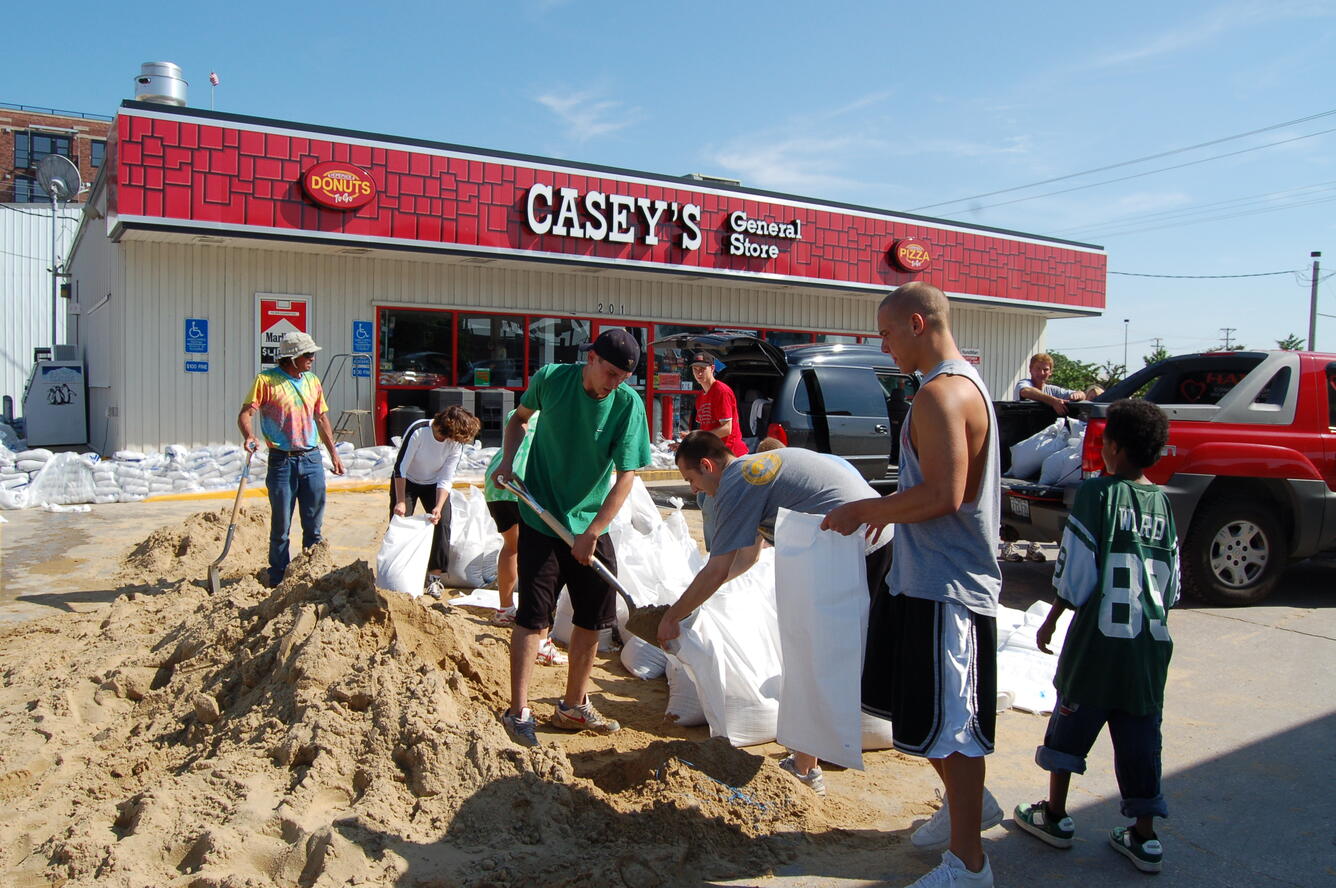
1217,21
586,115
800,164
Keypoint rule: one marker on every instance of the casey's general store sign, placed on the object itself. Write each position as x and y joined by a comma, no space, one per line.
175,170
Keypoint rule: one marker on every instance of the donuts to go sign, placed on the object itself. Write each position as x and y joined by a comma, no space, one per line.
910,254
338,185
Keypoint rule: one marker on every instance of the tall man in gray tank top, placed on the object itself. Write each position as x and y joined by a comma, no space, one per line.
930,665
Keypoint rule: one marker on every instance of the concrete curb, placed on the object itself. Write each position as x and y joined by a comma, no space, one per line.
258,490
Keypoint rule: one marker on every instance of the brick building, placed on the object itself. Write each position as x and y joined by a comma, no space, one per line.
29,133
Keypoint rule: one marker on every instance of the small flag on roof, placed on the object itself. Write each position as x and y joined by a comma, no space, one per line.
213,77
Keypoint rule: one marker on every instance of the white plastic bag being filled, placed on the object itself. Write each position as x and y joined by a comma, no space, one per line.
822,602
401,565
474,542
731,650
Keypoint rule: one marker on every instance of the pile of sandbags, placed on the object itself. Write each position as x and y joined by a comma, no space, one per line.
131,475
1050,456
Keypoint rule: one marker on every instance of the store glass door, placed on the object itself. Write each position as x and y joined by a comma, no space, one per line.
641,379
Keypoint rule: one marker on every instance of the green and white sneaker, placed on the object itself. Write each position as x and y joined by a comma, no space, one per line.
1036,820
1147,856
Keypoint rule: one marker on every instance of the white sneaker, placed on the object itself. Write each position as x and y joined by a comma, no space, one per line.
936,833
951,872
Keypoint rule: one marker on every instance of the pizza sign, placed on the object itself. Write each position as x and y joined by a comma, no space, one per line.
911,254
338,185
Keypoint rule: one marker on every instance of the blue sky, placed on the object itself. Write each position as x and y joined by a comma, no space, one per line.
903,106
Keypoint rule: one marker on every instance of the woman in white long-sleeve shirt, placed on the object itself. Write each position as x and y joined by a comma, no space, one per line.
424,471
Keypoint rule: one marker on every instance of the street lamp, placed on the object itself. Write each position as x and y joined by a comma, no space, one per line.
1125,320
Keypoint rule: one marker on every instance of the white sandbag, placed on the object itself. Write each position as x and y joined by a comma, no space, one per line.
14,499
683,700
821,599
30,465
475,544
1064,467
1027,457
106,498
67,478
1025,673
731,648
10,482
37,453
128,496
562,624
876,733
642,659
401,564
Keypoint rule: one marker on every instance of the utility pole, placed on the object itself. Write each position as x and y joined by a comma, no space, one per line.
1125,320
1312,304
1227,331
1159,343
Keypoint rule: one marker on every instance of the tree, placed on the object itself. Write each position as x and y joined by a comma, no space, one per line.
1156,356
1290,343
1110,374
1071,373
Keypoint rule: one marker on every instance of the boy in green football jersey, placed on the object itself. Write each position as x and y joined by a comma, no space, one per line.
1118,568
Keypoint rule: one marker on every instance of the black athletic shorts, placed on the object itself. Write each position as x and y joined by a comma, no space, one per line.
546,564
931,669
506,514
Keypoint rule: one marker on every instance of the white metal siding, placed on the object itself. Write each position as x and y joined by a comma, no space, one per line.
164,283
25,288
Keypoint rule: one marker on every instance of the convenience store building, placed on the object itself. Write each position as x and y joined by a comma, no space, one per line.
418,265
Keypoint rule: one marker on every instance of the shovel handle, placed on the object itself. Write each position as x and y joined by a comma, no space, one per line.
516,486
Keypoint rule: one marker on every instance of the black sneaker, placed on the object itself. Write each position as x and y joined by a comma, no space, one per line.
1036,820
1147,856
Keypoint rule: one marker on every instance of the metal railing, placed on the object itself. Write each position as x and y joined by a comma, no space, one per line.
56,112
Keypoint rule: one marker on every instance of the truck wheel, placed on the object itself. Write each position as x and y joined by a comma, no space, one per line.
1234,554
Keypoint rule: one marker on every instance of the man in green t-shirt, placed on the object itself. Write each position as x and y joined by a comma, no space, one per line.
592,425
1118,567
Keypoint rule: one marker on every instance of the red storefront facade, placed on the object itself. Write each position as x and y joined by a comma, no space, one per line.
181,171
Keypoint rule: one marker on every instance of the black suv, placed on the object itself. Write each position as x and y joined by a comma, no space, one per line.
849,400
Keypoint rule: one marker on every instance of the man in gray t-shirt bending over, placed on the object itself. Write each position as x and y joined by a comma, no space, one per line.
748,493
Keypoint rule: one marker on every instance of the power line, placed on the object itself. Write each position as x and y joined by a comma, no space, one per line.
1219,218
1201,276
1114,166
1191,210
1177,166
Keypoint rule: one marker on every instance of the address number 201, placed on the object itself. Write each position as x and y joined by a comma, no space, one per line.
612,308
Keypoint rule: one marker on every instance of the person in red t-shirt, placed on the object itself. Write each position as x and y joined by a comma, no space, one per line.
717,413
717,408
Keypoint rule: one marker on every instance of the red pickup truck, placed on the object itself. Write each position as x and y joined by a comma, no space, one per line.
1250,466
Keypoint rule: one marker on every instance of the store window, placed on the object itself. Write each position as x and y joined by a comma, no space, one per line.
839,338
555,341
97,153
30,147
491,350
415,347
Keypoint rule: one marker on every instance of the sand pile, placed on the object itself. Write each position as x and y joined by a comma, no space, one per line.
326,733
188,550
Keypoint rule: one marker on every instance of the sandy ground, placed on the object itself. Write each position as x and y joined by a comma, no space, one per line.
320,734
325,733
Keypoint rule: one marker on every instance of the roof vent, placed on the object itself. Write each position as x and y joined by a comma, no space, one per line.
160,82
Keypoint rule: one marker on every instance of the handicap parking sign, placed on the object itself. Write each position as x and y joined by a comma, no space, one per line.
362,337
197,336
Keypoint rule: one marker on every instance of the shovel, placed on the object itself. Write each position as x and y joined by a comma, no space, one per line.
215,579
516,486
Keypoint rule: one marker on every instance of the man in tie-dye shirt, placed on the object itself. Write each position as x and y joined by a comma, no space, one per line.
292,411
